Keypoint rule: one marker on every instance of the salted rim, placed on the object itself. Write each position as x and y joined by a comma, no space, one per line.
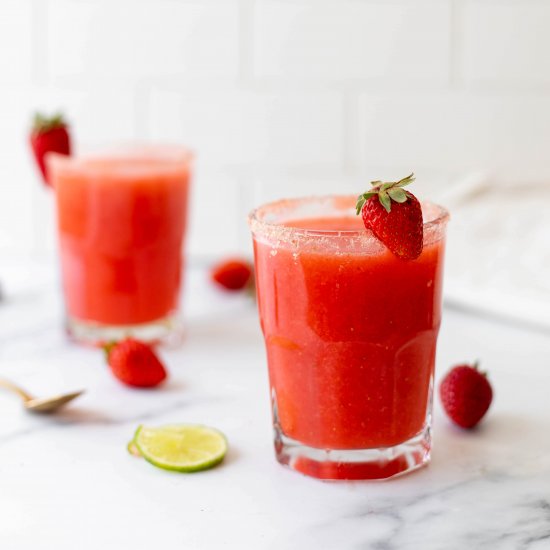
279,231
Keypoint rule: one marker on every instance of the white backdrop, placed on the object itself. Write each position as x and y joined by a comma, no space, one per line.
277,97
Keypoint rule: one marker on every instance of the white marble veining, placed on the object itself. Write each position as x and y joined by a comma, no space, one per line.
67,481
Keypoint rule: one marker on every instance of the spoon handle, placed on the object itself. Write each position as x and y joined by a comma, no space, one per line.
6,384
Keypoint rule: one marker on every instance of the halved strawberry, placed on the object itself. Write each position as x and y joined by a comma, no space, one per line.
394,216
49,134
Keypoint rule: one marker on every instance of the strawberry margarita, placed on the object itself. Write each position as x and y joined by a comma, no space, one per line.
121,222
350,332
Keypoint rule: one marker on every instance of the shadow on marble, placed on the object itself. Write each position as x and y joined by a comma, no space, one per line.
226,329
514,428
81,415
170,386
233,455
504,441
499,428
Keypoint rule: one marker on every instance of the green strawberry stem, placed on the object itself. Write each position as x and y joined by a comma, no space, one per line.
43,123
476,366
108,347
387,192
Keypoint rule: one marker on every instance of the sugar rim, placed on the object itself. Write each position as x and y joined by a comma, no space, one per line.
278,232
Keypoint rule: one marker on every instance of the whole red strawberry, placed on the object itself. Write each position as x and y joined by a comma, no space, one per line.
394,216
466,395
232,274
135,364
49,135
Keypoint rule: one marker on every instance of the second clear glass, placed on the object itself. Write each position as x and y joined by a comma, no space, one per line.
121,225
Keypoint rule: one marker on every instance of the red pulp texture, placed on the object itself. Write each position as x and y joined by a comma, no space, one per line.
351,340
120,233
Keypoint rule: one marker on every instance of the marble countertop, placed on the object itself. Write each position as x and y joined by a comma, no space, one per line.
67,481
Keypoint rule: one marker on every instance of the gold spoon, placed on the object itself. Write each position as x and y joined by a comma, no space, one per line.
39,404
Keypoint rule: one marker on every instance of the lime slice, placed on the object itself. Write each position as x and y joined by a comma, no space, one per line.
132,448
181,447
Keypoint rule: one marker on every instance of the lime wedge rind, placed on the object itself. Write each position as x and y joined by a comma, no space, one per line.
133,449
181,448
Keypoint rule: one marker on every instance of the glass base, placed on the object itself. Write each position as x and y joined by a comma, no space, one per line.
379,463
168,330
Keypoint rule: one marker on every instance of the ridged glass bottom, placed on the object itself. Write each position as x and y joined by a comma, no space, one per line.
380,463
168,330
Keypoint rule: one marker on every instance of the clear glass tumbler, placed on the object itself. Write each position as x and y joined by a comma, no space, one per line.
350,333
121,224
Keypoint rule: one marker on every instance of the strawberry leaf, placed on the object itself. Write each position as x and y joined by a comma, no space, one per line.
385,200
405,181
397,194
386,191
362,199
359,204
42,123
370,194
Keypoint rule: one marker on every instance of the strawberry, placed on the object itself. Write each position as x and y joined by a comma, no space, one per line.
232,274
135,363
466,394
394,216
49,135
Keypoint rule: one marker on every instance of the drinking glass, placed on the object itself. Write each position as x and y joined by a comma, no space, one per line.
350,333
121,225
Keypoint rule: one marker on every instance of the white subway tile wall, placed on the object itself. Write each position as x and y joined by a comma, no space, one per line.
506,41
350,39
15,42
121,40
249,128
277,97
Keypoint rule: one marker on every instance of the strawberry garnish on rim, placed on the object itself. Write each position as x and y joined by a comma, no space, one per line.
49,135
394,216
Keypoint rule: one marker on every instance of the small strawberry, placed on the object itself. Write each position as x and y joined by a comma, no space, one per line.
49,135
466,394
232,274
135,363
394,216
